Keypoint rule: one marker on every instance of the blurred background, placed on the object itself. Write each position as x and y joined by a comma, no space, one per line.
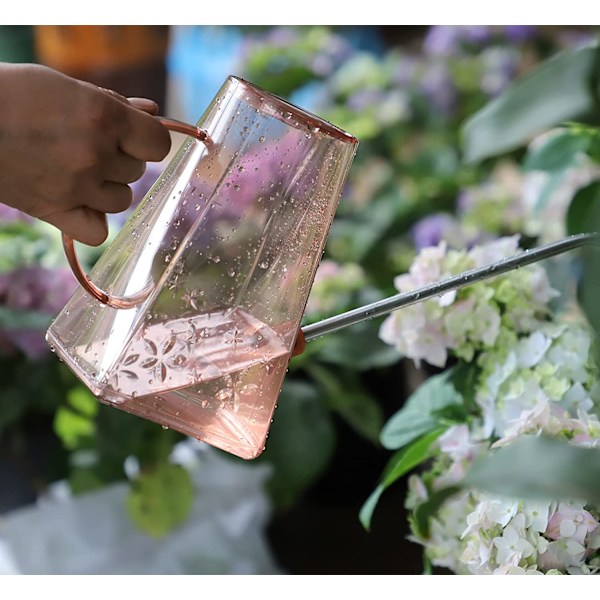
91,486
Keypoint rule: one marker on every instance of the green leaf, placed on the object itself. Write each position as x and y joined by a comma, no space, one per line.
559,153
584,209
421,413
358,348
368,508
539,467
408,458
72,428
422,514
161,499
590,291
553,182
584,216
141,438
74,424
344,394
350,240
300,443
556,91
427,566
85,480
464,377
401,463
23,319
83,401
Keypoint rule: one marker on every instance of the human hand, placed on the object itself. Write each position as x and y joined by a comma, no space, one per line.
68,149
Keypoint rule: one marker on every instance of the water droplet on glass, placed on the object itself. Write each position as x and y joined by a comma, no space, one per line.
165,427
224,394
231,272
264,264
204,403
261,138
248,390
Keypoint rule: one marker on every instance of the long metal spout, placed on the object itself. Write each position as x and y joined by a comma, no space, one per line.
387,305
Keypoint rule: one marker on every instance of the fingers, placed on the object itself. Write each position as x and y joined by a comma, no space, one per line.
82,224
110,197
145,138
139,134
122,168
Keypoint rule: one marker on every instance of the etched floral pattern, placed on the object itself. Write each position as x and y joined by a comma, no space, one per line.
155,359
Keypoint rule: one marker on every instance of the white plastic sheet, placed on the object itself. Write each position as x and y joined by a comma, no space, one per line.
93,534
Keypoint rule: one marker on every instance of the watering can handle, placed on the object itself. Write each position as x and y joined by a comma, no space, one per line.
69,245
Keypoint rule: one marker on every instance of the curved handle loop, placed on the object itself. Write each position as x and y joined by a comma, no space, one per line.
69,245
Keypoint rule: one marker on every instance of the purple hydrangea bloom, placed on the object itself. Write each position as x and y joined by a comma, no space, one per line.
145,182
464,202
405,70
8,213
33,289
431,230
331,56
475,34
363,99
28,341
520,33
575,38
437,85
281,36
445,40
441,40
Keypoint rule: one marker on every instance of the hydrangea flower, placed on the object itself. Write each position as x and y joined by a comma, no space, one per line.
536,374
8,214
545,381
36,289
332,286
471,319
438,227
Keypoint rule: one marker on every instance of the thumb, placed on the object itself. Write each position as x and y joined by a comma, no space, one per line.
144,104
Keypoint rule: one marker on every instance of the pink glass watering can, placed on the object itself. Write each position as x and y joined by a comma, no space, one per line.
191,315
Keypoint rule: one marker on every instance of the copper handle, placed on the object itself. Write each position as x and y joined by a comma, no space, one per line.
69,245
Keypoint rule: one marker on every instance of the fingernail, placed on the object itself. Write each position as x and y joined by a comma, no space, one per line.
144,104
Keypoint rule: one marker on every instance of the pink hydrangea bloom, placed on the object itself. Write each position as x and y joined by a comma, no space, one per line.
571,521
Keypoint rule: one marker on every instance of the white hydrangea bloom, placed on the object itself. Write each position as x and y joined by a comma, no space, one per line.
535,374
512,546
506,535
474,318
